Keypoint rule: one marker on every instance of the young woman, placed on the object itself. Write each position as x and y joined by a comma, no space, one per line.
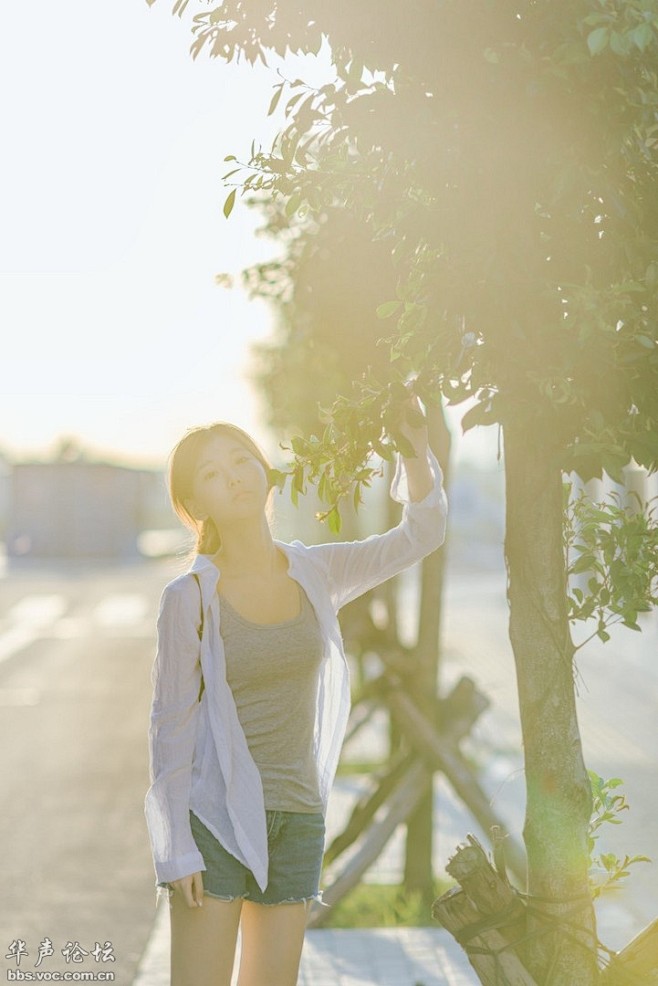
250,704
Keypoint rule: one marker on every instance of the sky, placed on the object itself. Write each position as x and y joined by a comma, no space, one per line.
114,332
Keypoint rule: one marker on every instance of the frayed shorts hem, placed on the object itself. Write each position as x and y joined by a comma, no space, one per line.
167,892
269,903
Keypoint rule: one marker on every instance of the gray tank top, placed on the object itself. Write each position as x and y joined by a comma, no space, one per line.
273,672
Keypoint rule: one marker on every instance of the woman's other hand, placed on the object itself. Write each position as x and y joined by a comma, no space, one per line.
191,888
413,426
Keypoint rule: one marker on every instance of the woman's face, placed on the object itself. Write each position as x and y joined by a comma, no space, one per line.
229,482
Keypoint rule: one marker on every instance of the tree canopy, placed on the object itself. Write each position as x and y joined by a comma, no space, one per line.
504,155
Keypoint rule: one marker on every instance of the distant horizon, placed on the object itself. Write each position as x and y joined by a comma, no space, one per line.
483,456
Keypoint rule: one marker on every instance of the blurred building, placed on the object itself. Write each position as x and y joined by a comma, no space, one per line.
5,489
73,508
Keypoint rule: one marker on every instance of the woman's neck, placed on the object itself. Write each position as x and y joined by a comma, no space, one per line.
248,549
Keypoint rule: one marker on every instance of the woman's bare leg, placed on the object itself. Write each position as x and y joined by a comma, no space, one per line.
203,941
272,940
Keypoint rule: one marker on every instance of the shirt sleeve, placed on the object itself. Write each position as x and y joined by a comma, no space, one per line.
353,567
176,678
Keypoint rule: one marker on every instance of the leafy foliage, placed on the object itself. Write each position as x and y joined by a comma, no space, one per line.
607,806
339,469
505,155
617,546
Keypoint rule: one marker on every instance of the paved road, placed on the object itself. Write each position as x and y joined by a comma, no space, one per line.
75,652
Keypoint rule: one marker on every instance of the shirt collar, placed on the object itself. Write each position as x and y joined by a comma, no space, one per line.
204,566
203,563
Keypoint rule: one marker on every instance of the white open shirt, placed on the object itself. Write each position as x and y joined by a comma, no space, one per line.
199,758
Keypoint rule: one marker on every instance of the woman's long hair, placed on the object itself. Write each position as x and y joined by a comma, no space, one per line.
182,464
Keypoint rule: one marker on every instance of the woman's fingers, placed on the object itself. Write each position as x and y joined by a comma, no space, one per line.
191,889
413,409
413,425
197,890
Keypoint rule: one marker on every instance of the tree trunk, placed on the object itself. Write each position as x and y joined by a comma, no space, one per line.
557,785
418,869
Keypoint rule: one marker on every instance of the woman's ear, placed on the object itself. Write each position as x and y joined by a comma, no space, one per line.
194,511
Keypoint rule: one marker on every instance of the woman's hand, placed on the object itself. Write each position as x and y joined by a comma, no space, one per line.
191,887
413,426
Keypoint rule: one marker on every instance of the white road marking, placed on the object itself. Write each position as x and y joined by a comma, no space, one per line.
42,615
38,609
15,639
125,609
71,628
19,696
27,619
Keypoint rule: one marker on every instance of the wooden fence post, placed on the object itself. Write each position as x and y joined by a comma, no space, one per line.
637,963
486,917
400,803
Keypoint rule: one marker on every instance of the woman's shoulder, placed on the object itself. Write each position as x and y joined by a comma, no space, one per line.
297,550
181,588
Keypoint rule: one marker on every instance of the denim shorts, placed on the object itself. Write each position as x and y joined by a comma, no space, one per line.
295,842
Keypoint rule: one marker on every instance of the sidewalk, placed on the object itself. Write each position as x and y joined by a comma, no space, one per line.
350,957
616,697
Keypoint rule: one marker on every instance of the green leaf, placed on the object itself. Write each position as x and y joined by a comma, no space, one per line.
293,204
355,71
387,309
414,418
385,451
293,101
275,99
479,414
642,35
583,564
334,520
277,478
619,44
613,465
230,202
597,40
298,479
632,625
